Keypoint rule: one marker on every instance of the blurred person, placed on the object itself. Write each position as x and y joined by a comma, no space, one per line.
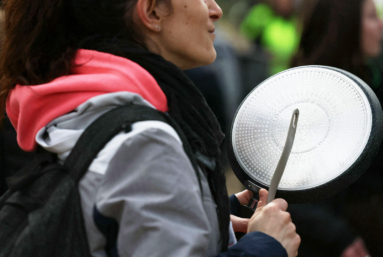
346,34
330,36
272,25
65,63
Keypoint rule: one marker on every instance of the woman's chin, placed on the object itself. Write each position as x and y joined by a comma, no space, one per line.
209,58
199,63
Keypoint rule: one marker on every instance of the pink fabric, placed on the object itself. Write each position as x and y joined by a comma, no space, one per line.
31,108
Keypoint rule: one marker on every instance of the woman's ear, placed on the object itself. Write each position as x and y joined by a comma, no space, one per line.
151,14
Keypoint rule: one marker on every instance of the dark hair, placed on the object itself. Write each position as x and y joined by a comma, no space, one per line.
42,37
332,36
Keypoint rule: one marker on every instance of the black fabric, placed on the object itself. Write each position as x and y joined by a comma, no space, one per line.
187,107
42,216
234,205
208,83
109,228
323,231
12,158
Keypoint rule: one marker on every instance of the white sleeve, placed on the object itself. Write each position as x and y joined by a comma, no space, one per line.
149,203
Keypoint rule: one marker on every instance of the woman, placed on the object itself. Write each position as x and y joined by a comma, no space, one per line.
347,35
65,63
330,36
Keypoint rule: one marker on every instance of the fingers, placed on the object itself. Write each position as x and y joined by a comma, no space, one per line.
291,240
360,247
239,224
298,241
274,220
263,194
244,197
281,203
356,249
350,252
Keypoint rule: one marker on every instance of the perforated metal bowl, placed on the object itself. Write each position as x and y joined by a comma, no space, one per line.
339,132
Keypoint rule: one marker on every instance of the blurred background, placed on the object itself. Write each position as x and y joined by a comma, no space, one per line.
259,38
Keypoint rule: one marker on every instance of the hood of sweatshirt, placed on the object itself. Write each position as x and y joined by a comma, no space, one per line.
30,108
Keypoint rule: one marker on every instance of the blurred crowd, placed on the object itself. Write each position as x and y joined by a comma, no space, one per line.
260,38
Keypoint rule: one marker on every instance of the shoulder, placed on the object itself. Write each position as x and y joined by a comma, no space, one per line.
149,136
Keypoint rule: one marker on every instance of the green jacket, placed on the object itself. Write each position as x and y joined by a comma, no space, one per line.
279,36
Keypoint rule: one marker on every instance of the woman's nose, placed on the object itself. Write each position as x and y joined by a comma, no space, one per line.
215,12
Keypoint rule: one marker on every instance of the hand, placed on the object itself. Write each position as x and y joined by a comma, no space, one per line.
356,249
240,224
273,220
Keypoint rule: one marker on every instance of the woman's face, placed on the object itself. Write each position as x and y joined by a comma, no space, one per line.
371,30
187,33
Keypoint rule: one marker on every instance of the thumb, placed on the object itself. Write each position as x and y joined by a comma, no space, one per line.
244,197
263,194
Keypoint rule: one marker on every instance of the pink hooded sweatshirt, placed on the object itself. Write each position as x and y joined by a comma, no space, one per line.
30,108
